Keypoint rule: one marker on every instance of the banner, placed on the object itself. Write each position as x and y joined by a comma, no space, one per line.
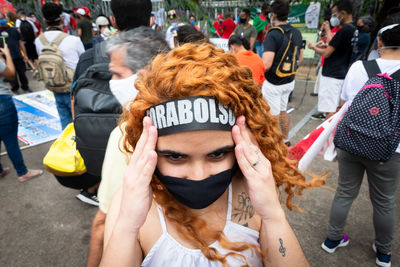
302,16
220,43
38,120
310,37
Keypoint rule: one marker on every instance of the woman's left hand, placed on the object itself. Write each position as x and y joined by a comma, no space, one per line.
257,171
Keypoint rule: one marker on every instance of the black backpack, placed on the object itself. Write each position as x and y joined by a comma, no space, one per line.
286,59
96,111
371,126
27,31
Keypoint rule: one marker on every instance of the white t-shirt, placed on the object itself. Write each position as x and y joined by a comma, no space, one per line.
4,90
71,47
357,76
18,24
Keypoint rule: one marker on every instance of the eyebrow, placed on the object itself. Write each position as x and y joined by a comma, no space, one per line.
224,148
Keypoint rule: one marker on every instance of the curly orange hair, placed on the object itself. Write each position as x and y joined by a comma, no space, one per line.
203,70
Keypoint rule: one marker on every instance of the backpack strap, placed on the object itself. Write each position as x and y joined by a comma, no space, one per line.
396,75
59,38
371,67
43,39
99,53
277,28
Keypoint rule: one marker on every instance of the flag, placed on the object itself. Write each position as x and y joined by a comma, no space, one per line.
318,142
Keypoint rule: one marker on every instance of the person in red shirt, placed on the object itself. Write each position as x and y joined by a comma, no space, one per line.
227,26
240,47
218,25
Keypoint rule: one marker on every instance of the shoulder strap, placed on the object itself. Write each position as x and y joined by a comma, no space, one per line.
99,53
371,68
59,38
229,212
43,39
277,28
396,75
162,219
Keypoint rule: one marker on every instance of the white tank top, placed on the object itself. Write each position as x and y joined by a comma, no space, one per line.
169,252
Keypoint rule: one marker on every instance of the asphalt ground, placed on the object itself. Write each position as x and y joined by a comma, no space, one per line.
43,224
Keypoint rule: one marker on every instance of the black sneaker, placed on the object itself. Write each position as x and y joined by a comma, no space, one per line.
89,198
318,116
330,246
381,259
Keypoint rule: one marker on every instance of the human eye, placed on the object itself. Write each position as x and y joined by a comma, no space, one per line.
174,157
219,154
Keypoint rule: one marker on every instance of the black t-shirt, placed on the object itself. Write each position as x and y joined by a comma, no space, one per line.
273,42
337,64
12,39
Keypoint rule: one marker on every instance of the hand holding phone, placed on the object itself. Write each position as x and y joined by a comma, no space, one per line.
2,41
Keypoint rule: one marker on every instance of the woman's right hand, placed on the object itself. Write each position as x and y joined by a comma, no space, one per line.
136,191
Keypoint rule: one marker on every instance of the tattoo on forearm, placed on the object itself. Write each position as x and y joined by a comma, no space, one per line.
244,211
282,249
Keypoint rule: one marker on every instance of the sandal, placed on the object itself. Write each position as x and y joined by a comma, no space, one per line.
5,171
30,175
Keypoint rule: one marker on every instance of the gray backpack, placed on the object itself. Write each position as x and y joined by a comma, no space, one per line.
53,71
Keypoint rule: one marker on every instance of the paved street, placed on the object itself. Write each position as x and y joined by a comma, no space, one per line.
43,224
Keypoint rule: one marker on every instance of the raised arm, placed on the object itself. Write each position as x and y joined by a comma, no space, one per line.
276,236
124,220
322,51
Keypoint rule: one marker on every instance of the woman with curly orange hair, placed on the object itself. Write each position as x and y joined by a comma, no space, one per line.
201,188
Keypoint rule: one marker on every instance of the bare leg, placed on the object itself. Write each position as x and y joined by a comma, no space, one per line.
96,240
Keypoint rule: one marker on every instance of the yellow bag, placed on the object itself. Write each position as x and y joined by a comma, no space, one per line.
63,159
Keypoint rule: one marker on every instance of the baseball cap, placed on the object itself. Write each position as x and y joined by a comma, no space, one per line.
102,21
81,11
220,16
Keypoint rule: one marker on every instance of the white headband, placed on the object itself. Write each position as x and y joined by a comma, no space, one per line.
389,27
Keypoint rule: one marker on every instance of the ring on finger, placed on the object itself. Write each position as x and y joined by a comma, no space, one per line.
255,163
257,151
258,161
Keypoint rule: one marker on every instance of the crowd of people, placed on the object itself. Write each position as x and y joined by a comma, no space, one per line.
185,145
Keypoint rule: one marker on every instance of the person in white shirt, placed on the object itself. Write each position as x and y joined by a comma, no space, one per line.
71,48
383,177
21,17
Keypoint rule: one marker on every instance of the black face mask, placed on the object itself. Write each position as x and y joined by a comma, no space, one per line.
242,20
197,194
360,29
